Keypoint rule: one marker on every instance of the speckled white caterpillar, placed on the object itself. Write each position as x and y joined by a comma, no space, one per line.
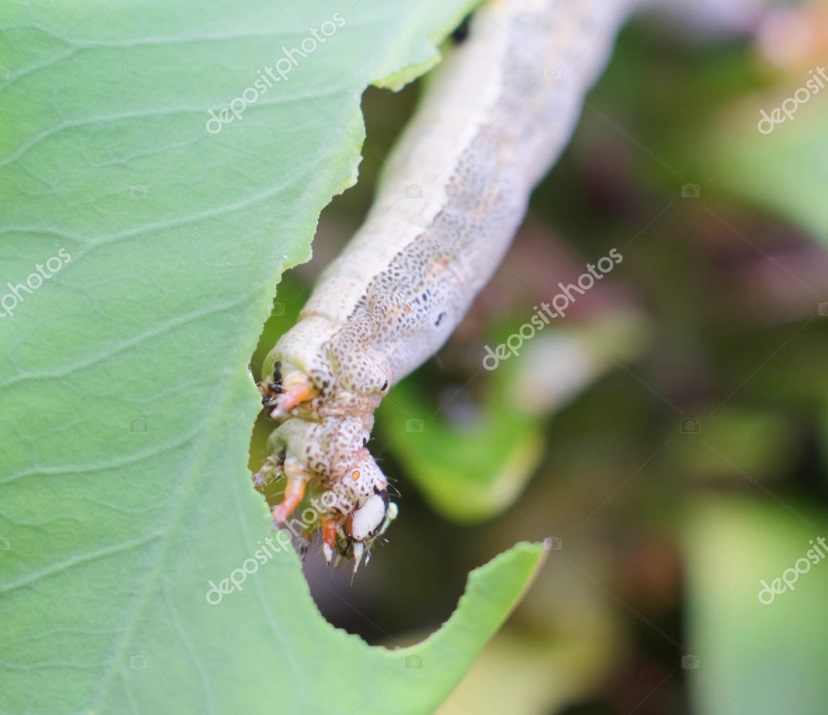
453,193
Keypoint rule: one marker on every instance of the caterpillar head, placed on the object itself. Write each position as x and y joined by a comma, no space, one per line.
365,511
365,525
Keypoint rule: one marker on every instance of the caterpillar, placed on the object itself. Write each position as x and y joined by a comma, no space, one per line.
452,195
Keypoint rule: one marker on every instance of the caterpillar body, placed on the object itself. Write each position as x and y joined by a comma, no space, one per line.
452,196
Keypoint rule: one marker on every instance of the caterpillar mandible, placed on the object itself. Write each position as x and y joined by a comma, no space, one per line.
451,198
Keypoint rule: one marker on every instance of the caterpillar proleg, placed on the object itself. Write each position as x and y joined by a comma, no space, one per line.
453,193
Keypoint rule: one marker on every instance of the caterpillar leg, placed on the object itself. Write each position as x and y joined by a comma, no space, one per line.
283,392
298,478
301,391
329,533
271,469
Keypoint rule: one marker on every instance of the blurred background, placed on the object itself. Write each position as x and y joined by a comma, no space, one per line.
669,432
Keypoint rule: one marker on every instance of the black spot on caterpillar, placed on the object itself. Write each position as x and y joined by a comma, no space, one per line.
462,32
277,376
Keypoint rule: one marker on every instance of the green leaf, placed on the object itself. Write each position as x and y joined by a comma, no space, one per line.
125,400
757,656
